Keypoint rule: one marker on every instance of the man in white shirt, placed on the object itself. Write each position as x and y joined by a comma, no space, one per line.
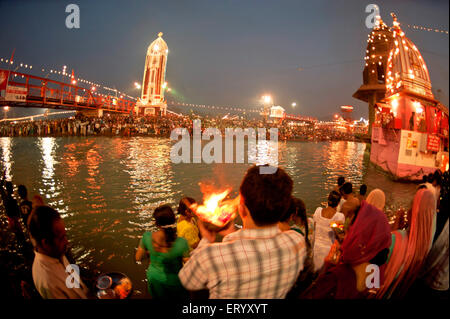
53,276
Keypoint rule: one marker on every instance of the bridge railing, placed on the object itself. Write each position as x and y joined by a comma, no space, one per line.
33,91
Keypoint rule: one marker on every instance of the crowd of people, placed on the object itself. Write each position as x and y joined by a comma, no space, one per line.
346,250
123,125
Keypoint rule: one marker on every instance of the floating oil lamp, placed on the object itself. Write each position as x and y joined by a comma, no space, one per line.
216,213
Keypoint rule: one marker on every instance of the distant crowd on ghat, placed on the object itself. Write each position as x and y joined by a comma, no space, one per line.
120,125
278,252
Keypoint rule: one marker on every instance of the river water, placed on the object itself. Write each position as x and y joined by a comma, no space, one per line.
107,188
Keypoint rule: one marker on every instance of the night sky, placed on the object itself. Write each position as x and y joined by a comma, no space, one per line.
224,52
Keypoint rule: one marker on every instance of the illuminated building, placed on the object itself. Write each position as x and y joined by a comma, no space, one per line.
373,89
277,112
347,111
153,84
410,129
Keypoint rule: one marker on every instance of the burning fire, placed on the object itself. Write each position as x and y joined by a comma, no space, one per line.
337,225
214,209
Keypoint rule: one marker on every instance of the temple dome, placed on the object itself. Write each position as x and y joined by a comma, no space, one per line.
159,46
406,70
377,53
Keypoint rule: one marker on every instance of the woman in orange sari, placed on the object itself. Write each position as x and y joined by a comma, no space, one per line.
410,247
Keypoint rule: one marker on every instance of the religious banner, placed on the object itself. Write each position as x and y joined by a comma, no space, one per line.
410,143
433,143
16,93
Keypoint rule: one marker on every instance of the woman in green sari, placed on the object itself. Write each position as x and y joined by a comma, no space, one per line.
167,252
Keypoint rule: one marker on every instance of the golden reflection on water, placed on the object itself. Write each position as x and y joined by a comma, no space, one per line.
151,176
344,159
107,188
6,156
50,190
69,159
95,180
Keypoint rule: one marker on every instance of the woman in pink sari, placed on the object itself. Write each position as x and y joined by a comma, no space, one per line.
410,247
367,242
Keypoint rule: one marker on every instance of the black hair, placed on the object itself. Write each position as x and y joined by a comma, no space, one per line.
40,223
182,207
340,181
164,216
430,178
347,188
22,191
437,177
363,189
380,258
333,199
424,179
267,196
297,208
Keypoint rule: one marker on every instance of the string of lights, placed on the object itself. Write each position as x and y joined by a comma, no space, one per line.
95,86
53,71
418,27
32,117
215,107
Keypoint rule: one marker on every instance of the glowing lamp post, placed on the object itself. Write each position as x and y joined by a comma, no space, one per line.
6,108
267,101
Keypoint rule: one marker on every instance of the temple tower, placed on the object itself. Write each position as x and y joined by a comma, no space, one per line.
374,75
410,131
153,83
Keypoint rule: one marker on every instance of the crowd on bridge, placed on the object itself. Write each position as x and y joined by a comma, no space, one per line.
346,250
120,125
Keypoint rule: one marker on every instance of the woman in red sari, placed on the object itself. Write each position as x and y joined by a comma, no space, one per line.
410,246
366,243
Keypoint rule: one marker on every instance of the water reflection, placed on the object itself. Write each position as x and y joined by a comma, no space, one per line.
69,159
151,177
49,190
95,180
344,159
5,143
107,188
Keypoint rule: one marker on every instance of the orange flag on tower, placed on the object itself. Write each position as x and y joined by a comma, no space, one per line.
12,56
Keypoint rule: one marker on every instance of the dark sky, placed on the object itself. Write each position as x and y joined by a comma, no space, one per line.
224,52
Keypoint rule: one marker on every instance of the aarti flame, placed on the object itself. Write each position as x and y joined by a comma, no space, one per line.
337,225
215,210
